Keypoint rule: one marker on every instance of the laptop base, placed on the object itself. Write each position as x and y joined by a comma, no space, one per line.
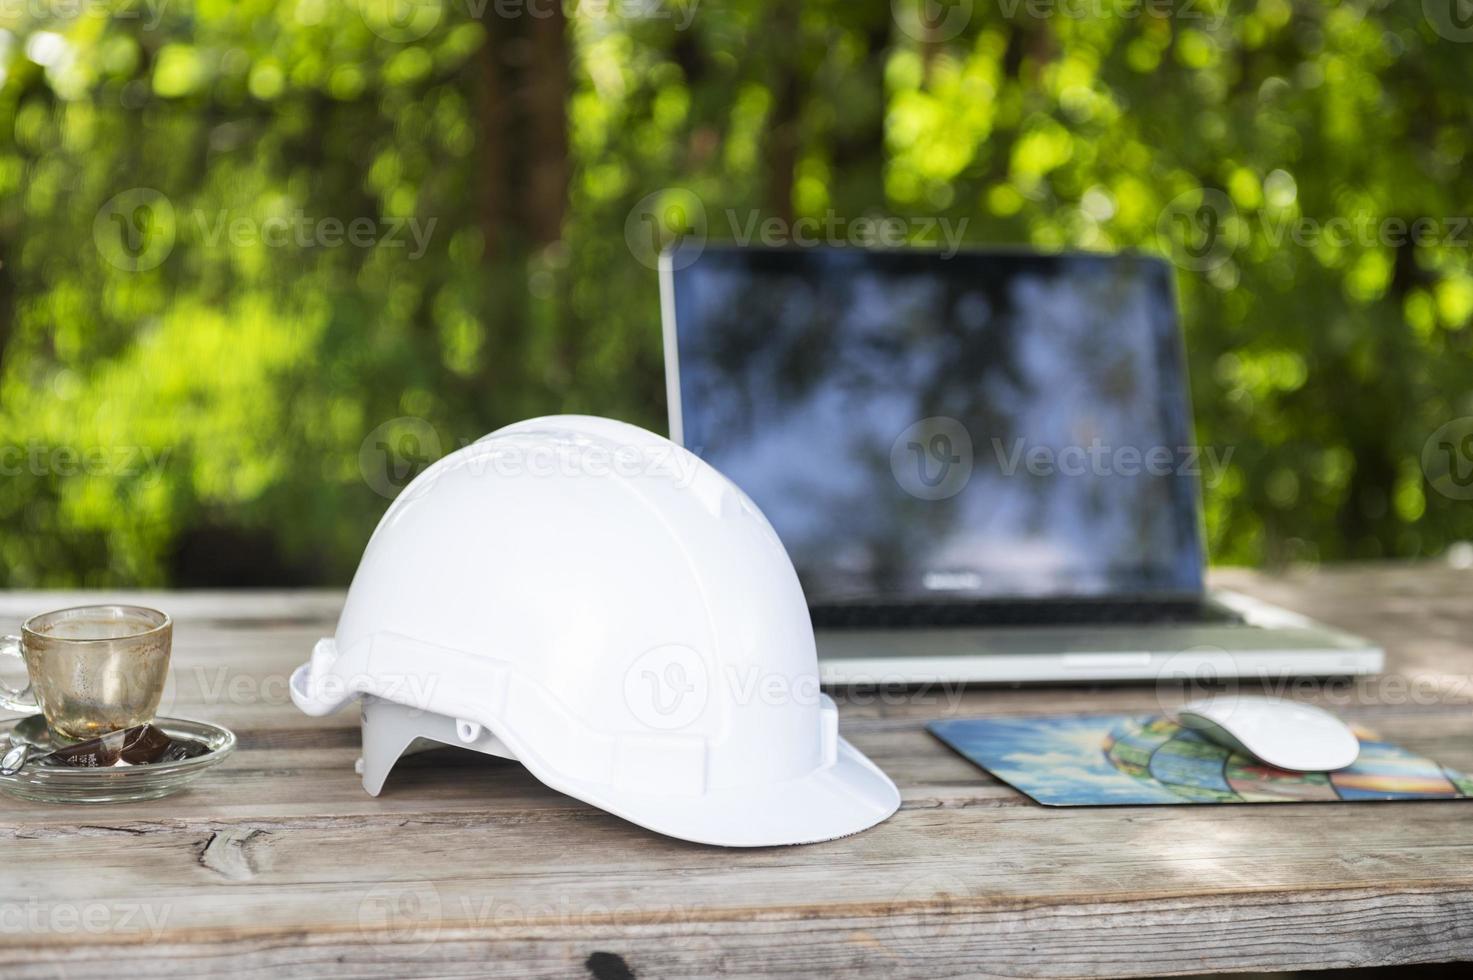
1269,642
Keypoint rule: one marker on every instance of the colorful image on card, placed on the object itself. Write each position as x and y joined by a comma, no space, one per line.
1113,760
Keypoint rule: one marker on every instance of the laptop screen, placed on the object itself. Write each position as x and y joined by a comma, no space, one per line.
922,427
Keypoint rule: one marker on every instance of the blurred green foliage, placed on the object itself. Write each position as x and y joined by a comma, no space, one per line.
201,361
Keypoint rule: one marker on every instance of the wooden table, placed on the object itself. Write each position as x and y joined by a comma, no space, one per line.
279,864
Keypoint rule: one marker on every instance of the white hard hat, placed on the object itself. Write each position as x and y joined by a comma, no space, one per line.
598,603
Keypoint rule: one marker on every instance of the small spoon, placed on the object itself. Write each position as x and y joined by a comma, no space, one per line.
15,759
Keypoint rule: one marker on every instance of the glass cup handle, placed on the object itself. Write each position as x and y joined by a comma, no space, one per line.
12,700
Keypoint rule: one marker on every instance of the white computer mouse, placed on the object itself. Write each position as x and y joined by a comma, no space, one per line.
1282,734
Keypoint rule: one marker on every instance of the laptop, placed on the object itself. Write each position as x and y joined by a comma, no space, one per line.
982,464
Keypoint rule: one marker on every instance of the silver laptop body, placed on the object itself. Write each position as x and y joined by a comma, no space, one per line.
982,464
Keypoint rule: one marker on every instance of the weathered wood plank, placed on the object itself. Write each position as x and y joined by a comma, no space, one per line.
525,854
937,938
279,864
307,771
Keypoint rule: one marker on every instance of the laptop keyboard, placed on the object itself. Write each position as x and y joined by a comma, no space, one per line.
1023,612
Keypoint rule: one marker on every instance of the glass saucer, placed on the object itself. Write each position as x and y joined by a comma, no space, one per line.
119,784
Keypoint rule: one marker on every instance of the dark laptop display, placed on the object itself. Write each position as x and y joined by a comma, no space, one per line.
923,430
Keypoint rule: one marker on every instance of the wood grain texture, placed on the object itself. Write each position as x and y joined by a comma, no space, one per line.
278,864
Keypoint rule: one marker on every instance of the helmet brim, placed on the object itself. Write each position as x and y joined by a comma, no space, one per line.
841,799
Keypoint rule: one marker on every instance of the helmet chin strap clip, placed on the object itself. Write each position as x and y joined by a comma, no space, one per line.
392,731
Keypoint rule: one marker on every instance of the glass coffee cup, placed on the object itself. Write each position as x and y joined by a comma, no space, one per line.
92,669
